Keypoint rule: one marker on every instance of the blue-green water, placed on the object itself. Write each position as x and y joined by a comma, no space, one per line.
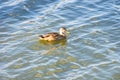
91,52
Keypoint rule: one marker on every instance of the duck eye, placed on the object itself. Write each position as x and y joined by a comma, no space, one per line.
63,33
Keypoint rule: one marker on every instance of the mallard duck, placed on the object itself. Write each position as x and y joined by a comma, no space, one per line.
53,36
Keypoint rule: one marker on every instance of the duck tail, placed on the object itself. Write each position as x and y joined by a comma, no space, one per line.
41,36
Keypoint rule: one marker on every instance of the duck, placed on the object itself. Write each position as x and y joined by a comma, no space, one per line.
54,36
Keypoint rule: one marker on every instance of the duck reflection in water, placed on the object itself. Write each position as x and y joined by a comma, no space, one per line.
57,42
52,47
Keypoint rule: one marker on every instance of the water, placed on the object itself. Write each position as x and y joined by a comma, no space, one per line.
91,52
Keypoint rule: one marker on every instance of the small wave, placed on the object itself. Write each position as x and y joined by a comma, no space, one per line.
11,3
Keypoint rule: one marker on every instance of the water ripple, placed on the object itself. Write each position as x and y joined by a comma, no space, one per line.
90,52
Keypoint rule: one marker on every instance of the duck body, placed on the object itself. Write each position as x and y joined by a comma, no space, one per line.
53,36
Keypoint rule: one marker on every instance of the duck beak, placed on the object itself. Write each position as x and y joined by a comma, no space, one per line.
68,32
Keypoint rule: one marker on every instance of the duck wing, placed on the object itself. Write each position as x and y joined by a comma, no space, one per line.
53,34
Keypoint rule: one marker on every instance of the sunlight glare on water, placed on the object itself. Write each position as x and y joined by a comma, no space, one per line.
91,51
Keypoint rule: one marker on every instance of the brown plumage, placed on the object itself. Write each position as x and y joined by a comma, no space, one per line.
54,36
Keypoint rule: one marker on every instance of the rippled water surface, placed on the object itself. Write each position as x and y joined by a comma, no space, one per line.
91,52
